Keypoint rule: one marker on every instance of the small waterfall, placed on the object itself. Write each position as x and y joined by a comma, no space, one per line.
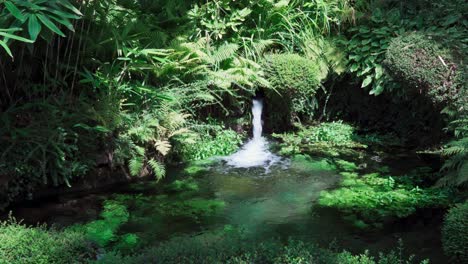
255,153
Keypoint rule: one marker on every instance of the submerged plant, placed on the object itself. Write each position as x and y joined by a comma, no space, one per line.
372,199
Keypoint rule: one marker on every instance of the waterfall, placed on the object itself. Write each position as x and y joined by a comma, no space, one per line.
255,153
257,110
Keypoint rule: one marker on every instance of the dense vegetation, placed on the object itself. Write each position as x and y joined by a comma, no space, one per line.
132,87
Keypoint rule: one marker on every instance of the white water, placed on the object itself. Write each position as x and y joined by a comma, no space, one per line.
255,153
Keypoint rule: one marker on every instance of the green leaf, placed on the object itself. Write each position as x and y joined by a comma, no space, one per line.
378,71
367,81
11,36
34,27
7,49
377,89
65,22
69,6
354,67
46,21
14,11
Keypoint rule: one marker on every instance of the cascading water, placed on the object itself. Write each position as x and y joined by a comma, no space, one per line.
255,153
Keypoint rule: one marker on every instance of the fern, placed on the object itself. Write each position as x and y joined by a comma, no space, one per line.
135,165
455,167
158,169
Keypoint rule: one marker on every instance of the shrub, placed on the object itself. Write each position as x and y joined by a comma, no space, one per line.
455,233
291,74
294,81
425,66
21,244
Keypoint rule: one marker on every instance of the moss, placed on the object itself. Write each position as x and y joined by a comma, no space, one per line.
194,170
294,80
194,208
346,165
425,66
374,199
304,163
185,185
197,167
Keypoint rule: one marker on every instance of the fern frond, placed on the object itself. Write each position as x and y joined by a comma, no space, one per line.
158,169
135,165
163,147
224,52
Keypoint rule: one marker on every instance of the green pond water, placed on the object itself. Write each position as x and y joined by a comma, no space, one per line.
194,200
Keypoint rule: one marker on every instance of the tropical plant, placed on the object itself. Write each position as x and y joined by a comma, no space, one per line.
33,16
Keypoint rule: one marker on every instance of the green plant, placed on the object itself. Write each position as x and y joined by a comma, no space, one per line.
327,137
367,49
33,16
207,141
294,82
372,199
21,244
104,231
304,163
455,233
232,245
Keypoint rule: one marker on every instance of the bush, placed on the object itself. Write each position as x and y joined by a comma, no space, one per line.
21,244
425,66
292,74
455,233
294,81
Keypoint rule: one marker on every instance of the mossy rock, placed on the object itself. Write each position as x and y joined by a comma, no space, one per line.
425,67
194,208
346,165
184,185
304,163
294,82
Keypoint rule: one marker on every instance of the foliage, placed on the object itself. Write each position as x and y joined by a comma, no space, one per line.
184,185
38,152
454,233
371,199
425,66
367,49
206,141
103,232
328,137
232,245
455,168
21,244
34,16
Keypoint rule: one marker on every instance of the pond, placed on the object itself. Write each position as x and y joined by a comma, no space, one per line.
280,202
